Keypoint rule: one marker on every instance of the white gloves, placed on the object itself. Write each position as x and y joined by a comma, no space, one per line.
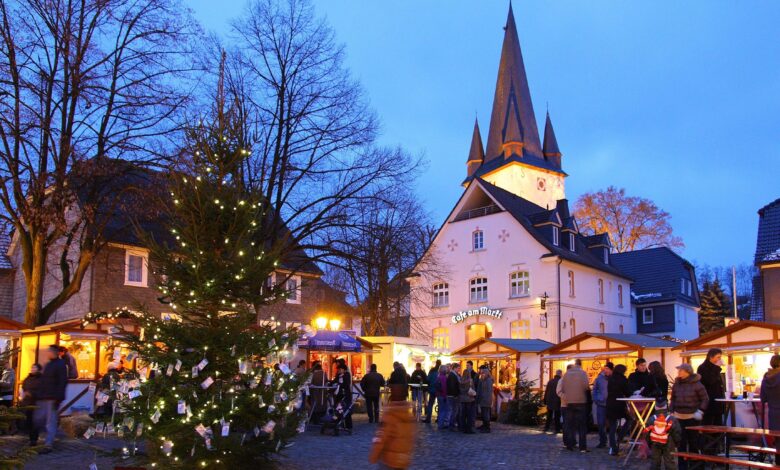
698,415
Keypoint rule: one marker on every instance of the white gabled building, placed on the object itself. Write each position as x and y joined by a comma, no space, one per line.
510,260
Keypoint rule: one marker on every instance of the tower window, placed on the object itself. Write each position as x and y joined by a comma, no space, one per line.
478,240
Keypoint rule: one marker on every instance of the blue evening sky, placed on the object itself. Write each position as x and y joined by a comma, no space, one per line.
678,102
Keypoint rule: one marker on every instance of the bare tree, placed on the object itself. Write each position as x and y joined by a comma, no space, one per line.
632,222
314,157
377,254
81,83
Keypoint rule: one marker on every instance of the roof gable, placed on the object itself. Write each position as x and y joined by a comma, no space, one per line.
657,274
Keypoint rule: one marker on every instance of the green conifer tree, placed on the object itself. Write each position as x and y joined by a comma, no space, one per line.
715,307
206,394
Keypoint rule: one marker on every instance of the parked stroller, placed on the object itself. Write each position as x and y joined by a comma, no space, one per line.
335,416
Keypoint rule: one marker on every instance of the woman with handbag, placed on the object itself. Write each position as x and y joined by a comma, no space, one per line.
468,405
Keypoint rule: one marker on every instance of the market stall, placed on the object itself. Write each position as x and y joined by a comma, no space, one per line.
330,346
91,346
595,349
407,351
747,348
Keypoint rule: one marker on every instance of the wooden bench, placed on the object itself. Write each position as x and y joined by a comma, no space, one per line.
723,460
734,430
757,449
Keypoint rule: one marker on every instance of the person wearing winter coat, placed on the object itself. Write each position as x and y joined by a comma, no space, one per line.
663,436
710,371
318,396
343,393
617,387
418,378
662,385
433,377
453,395
54,380
599,395
442,400
770,396
688,403
574,390
31,389
553,403
468,406
394,441
70,363
485,397
372,384
642,381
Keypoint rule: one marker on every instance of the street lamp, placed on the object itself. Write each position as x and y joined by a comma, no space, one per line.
334,323
321,323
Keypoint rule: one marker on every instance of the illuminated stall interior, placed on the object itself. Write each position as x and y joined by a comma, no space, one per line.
595,349
10,333
407,351
91,346
747,346
358,360
505,357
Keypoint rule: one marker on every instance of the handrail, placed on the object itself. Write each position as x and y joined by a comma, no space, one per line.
74,400
478,212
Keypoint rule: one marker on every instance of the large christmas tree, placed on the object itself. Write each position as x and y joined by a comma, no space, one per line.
206,394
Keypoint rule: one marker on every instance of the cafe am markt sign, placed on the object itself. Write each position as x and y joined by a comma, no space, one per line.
482,311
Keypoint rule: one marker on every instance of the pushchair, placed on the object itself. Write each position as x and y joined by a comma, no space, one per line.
335,416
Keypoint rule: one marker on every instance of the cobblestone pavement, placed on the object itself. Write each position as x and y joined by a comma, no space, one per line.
509,447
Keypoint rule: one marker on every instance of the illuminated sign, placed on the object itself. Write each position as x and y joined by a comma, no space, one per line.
482,311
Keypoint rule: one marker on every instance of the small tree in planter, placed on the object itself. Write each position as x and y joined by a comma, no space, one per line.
524,407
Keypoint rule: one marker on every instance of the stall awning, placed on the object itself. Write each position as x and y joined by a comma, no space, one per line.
747,349
484,356
587,355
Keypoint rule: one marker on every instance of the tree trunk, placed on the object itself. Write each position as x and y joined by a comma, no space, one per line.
34,280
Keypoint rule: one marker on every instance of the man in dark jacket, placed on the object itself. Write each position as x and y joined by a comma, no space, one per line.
433,376
553,403
52,393
770,395
710,372
343,393
642,379
372,384
453,394
418,379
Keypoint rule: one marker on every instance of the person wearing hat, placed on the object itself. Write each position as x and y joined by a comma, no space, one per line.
52,392
394,440
688,403
663,435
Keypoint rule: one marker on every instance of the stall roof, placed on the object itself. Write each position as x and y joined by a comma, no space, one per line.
626,339
512,345
8,324
741,325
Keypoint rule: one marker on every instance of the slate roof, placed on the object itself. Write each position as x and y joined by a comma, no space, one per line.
525,212
768,239
5,243
657,273
132,216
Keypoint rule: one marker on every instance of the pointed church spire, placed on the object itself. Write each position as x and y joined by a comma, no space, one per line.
550,146
476,152
512,101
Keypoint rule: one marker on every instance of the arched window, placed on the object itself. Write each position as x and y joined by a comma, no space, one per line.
519,284
441,294
476,331
478,240
621,328
520,329
620,295
601,291
478,290
573,326
571,283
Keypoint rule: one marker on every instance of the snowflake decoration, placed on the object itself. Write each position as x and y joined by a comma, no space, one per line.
503,236
452,245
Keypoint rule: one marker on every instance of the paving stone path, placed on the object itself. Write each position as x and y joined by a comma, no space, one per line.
507,447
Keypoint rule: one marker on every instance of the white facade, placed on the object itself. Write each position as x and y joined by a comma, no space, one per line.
508,248
543,188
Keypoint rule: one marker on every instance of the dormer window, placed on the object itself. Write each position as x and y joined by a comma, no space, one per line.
686,287
478,240
606,255
556,235
572,246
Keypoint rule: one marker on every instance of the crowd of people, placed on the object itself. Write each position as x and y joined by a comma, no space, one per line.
692,400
